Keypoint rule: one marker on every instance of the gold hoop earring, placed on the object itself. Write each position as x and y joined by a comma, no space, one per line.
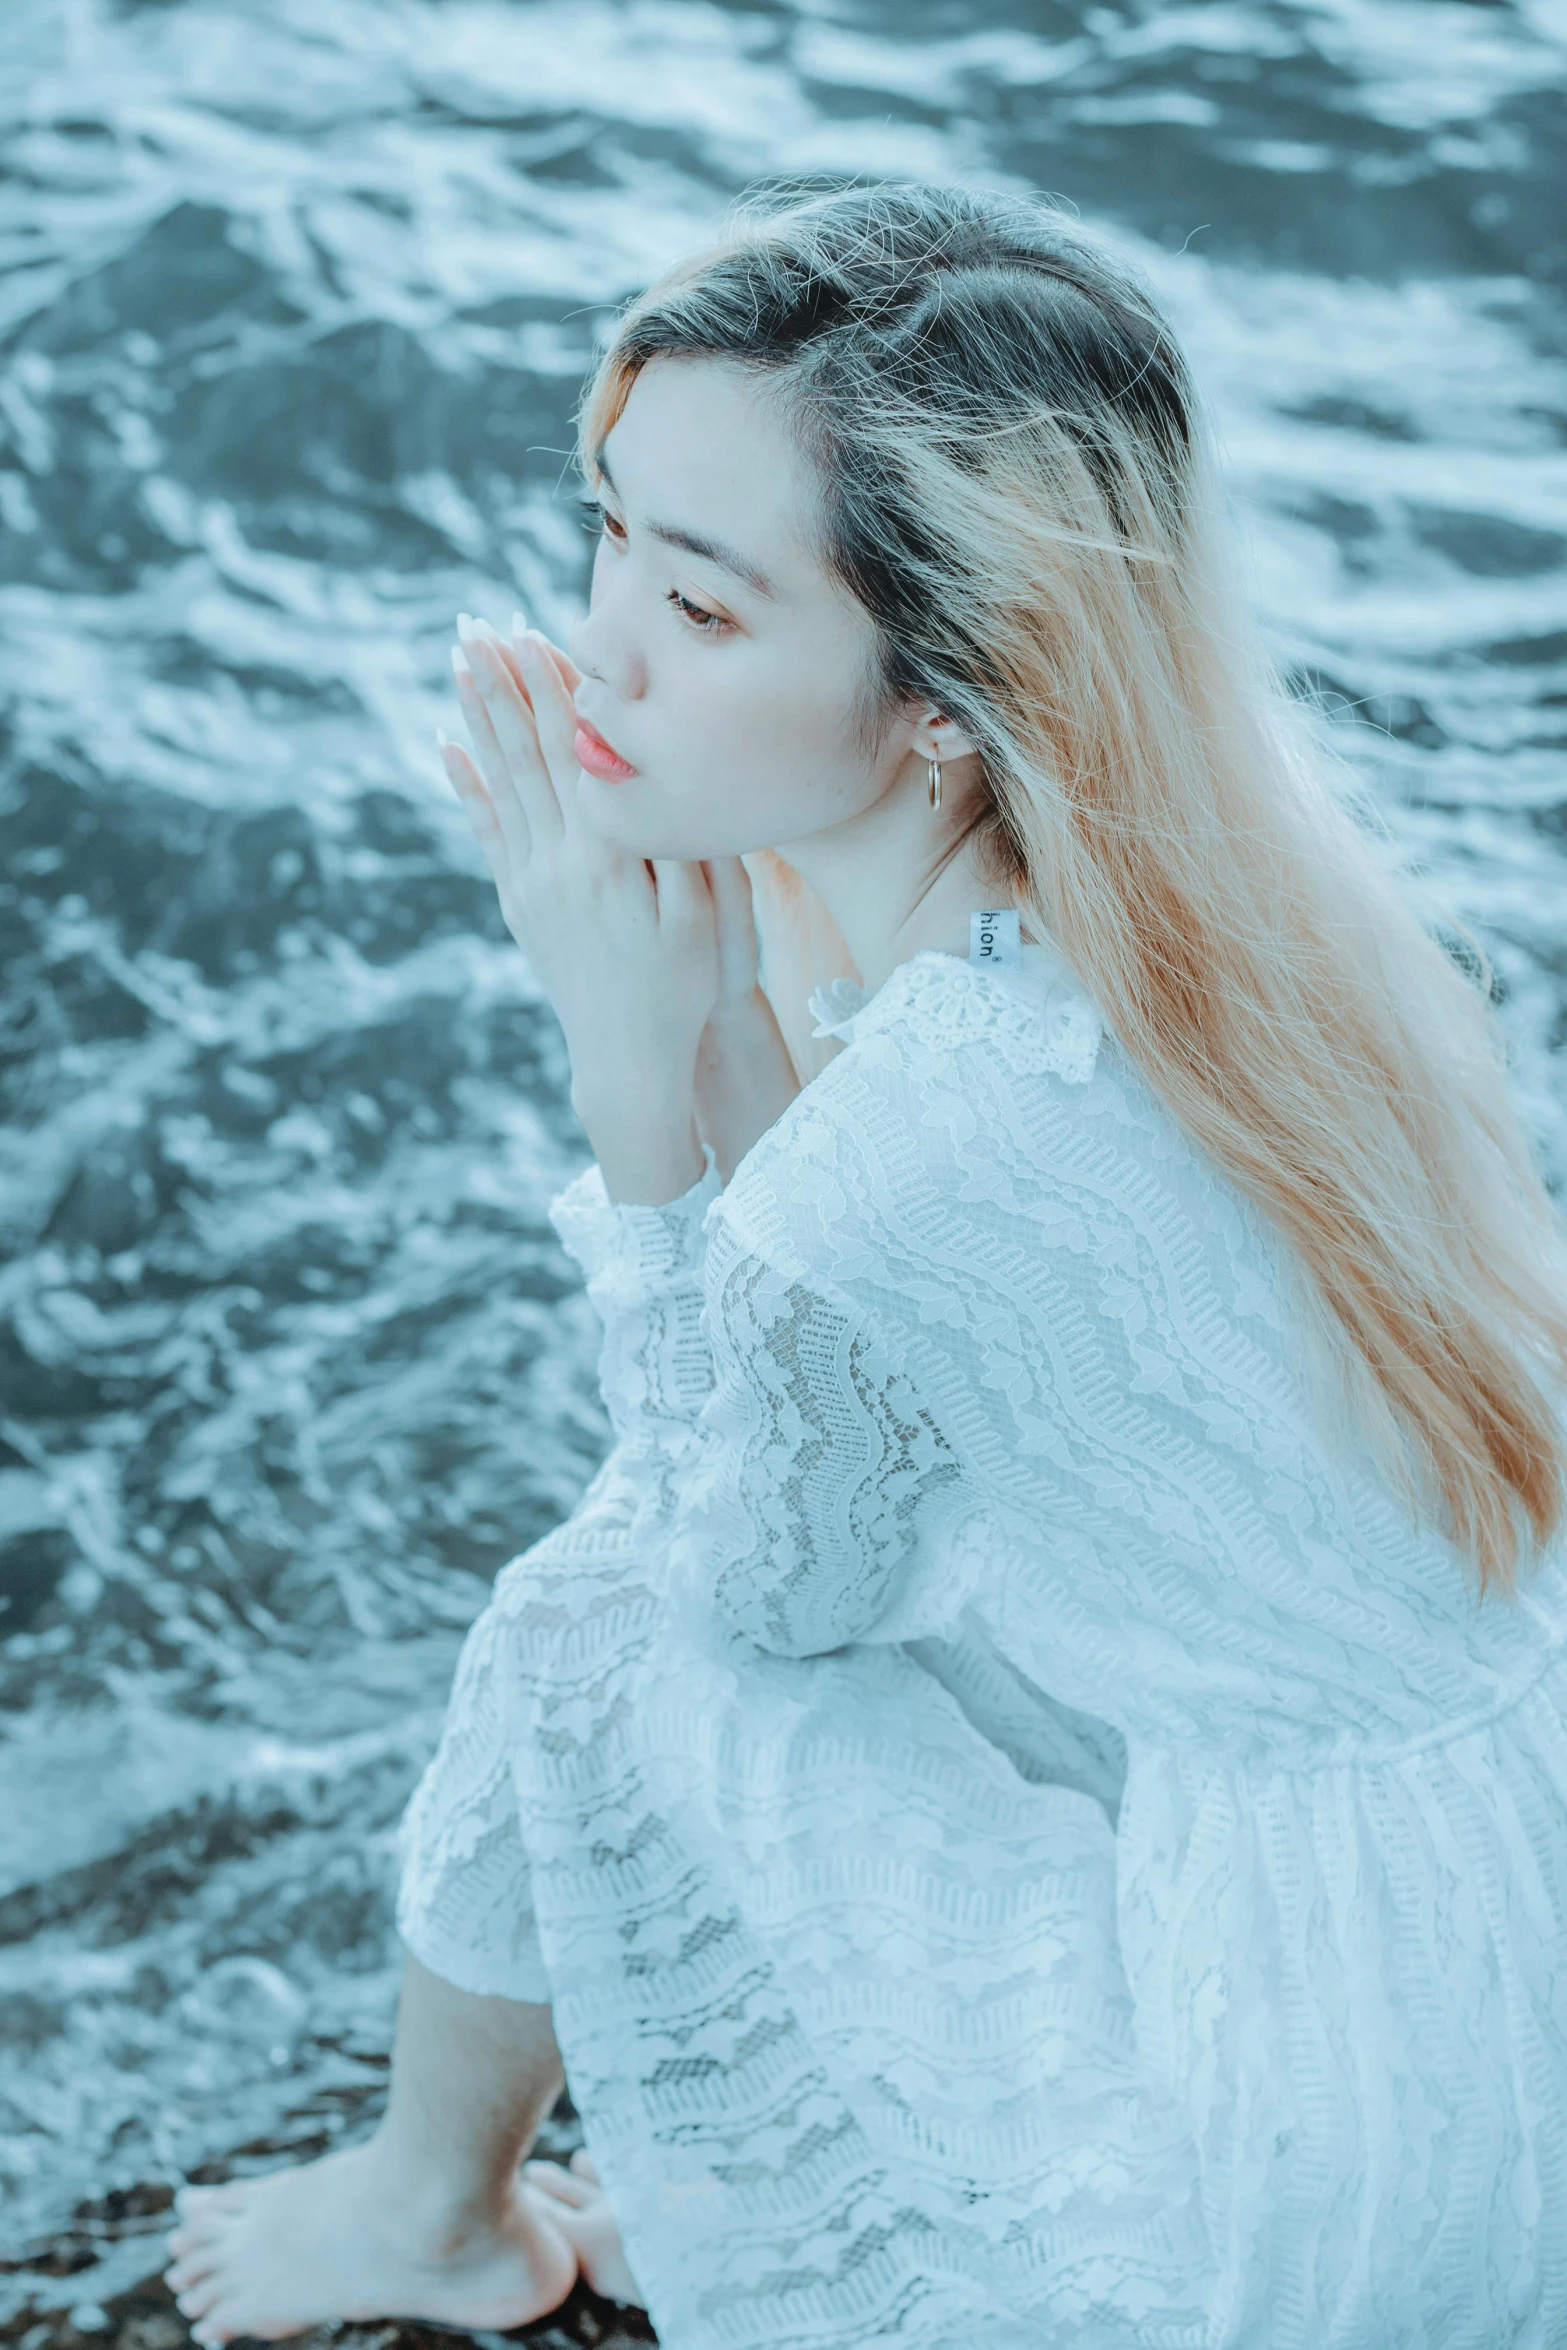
934,770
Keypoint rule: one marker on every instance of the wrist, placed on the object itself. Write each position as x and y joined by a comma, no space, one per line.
661,1114
642,1092
736,1014
645,1161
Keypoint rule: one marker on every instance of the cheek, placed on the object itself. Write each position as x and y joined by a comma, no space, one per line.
745,753
784,724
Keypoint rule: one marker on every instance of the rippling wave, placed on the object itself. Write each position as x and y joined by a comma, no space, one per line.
296,301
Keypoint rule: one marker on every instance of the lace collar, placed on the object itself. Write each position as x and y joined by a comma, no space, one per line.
1039,1011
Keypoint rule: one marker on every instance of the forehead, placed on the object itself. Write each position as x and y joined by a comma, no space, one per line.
705,446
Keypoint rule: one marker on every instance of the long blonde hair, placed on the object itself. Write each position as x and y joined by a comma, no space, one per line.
1021,489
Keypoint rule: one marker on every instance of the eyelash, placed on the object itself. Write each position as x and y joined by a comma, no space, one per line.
600,523
696,615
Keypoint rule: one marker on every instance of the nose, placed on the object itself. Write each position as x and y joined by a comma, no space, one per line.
603,646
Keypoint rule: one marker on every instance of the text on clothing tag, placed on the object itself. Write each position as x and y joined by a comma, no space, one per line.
993,937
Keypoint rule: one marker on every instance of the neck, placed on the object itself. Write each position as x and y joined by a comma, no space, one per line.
899,880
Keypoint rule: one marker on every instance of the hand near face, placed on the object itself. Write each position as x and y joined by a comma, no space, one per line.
729,885
626,947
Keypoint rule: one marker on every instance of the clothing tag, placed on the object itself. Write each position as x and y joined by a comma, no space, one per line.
993,937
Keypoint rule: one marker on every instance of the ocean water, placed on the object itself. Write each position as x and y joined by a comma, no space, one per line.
295,305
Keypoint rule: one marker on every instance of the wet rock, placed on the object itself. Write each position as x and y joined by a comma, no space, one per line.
144,2318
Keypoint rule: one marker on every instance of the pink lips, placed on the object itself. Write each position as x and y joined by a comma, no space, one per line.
596,755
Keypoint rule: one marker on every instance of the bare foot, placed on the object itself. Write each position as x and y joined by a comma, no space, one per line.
273,2256
588,2224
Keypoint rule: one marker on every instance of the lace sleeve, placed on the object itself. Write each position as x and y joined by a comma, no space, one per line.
824,1504
643,1269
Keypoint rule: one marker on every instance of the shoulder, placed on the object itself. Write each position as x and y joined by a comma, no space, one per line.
956,1088
1037,1017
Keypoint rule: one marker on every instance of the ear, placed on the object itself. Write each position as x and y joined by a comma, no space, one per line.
936,736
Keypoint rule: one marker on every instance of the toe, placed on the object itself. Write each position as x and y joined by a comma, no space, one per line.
217,2327
180,2275
181,2242
197,2298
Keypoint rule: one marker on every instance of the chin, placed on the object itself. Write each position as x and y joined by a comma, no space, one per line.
603,805
615,818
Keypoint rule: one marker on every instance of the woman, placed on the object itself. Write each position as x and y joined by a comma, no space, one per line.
1027,1798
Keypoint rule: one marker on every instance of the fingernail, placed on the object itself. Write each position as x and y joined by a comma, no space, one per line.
465,626
460,662
487,628
519,624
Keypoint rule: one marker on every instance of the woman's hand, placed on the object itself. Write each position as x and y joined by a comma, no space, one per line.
745,1078
626,947
729,886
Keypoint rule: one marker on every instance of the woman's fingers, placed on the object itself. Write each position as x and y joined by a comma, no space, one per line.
468,784
570,674
730,884
515,718
735,917
554,713
468,628
535,741
681,888
492,761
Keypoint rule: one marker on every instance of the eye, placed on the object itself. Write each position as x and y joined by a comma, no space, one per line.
598,521
697,616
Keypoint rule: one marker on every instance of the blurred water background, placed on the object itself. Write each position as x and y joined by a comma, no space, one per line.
296,301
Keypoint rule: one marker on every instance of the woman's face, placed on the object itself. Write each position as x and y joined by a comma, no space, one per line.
719,657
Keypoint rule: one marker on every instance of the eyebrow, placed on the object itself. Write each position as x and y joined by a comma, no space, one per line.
693,543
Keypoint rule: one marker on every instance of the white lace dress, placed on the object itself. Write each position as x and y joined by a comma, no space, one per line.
1024,1847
